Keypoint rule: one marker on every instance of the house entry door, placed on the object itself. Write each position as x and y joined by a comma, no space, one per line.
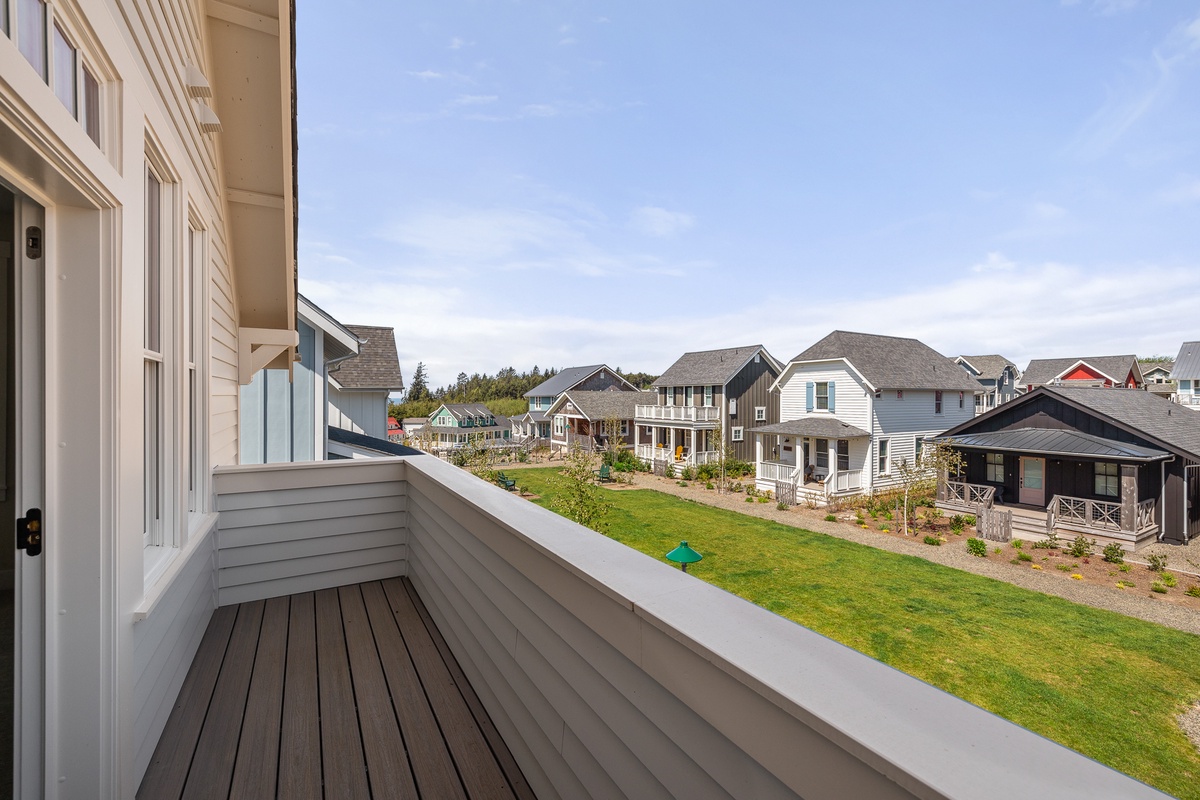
1033,482
22,229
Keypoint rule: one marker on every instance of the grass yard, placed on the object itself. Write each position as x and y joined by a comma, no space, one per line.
1098,682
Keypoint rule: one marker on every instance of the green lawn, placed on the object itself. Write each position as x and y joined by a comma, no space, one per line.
1101,683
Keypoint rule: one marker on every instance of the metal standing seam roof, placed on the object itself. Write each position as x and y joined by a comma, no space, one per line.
818,427
711,367
1055,441
892,362
1187,363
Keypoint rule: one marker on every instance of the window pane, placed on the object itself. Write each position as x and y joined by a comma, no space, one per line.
64,70
153,254
153,445
89,106
31,33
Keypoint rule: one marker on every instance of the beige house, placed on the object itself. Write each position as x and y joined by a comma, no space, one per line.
179,619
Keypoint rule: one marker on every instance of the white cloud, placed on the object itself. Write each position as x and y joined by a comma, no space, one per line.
568,41
427,75
457,44
655,221
474,99
1183,193
1048,211
993,263
539,110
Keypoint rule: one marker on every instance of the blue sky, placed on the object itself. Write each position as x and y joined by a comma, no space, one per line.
560,183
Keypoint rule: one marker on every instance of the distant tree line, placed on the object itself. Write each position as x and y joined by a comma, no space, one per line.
503,392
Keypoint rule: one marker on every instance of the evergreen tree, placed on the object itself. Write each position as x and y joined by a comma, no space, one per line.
418,388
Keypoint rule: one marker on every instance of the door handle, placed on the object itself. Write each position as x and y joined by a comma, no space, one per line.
29,532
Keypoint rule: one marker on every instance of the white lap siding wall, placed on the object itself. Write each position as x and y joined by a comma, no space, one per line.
850,397
903,421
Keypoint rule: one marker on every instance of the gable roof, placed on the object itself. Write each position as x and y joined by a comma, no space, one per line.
567,378
461,411
377,366
892,362
1187,363
1042,371
989,367
1146,414
602,405
712,367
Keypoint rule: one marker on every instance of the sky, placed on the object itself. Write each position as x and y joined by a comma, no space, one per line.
520,183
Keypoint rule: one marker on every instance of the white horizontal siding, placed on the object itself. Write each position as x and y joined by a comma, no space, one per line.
850,395
292,528
903,421
164,644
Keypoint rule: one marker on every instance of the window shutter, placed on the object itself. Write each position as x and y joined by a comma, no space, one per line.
809,390
831,406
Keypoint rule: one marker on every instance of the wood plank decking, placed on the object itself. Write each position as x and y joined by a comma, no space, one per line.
342,693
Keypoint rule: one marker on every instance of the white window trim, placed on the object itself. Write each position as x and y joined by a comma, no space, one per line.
708,396
733,406
883,456
760,413
737,433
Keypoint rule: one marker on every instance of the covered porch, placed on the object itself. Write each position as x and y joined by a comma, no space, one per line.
1063,481
820,457
681,446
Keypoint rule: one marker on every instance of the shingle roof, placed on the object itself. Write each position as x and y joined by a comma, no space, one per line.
605,405
1187,363
564,379
710,367
462,410
1043,370
891,362
1056,441
820,427
989,367
377,366
1143,411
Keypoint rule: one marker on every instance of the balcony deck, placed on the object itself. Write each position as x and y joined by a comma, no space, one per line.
339,693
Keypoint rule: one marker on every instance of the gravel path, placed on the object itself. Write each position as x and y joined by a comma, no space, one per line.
1111,599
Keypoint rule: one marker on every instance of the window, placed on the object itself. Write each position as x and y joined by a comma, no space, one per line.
689,396
559,428
919,448
822,396
152,388
843,455
757,357
31,33
670,391
64,70
823,453
885,463
937,402
1108,480
46,45
708,396
733,406
194,331
899,394
736,434
89,106
760,413
995,468
960,399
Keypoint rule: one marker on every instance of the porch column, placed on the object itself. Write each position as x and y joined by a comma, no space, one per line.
758,449
637,436
1129,496
693,451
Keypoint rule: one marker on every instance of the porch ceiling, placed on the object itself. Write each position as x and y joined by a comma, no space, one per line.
1057,442
819,427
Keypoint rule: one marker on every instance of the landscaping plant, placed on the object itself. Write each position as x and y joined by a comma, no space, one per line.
1114,553
1081,546
1156,562
977,547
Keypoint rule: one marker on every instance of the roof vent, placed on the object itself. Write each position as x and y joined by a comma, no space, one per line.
197,84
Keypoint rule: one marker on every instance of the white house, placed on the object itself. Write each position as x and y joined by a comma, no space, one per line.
852,407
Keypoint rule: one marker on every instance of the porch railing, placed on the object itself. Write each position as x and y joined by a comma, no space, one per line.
970,495
677,413
850,480
776,471
649,452
1145,515
1098,514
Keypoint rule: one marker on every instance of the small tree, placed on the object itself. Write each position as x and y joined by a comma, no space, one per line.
936,458
610,428
577,496
724,452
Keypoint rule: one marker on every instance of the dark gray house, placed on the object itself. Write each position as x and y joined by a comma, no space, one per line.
998,376
1115,465
705,391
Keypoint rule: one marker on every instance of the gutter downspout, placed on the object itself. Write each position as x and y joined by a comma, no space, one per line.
1186,486
1162,503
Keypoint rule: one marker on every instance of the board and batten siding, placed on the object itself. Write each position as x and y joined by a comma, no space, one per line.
751,387
300,527
851,403
165,642
359,411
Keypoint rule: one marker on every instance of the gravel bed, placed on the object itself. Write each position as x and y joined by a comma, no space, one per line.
1111,599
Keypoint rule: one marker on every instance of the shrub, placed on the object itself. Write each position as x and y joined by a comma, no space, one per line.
977,547
1049,543
1156,562
1017,544
933,540
706,472
684,484
764,499
1125,584
970,520
688,474
1168,579
736,487
1158,588
735,468
781,506
831,518
1125,568
998,550
1066,567
749,498
884,528
1081,546
709,485
669,471
1114,553
1193,590
1024,557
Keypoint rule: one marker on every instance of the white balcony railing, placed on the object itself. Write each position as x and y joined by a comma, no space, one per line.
775,471
690,414
850,480
651,682
649,452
